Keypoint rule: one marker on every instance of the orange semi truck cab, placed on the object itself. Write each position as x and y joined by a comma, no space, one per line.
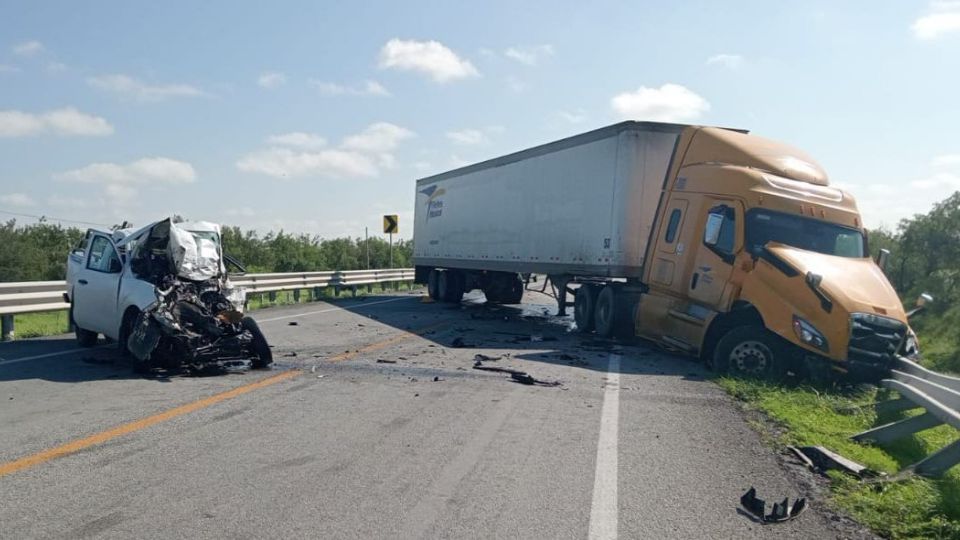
760,267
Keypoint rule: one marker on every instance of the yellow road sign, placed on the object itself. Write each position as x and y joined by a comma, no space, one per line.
391,224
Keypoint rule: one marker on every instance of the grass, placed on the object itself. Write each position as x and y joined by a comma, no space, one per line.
939,336
804,415
51,323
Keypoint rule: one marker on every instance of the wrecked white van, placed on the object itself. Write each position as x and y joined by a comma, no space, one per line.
163,293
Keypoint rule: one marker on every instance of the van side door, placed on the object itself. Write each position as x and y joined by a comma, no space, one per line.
97,285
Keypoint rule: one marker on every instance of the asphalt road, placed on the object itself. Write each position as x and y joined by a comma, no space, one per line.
373,424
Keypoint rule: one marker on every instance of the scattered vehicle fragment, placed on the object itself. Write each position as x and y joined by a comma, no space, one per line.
163,293
781,511
519,376
826,460
709,241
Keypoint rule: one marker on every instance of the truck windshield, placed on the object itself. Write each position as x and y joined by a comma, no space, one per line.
801,232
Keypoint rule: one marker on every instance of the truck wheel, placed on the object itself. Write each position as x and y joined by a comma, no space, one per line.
432,284
259,345
85,338
450,286
605,312
583,303
750,351
514,291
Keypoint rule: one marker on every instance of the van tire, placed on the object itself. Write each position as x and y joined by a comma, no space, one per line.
259,346
583,306
85,338
750,351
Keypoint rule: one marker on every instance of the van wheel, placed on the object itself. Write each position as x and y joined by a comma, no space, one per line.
126,328
433,284
85,338
750,351
583,303
259,346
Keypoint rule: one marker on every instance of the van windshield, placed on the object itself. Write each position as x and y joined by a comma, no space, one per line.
802,232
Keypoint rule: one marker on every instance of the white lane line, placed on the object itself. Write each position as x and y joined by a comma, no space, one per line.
48,355
334,309
604,511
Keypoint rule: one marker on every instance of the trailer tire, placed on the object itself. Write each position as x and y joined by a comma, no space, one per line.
432,284
605,312
583,307
85,338
259,346
450,285
750,351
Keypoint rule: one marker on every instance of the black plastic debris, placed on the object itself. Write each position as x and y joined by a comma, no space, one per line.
485,358
459,343
293,323
521,377
385,361
781,511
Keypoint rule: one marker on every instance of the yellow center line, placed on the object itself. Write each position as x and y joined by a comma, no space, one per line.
137,425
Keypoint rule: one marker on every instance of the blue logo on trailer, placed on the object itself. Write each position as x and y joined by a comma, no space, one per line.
434,204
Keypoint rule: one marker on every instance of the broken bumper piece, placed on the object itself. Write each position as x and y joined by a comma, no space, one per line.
782,511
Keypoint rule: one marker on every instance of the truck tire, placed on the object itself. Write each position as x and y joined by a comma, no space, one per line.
432,285
450,286
583,303
85,338
259,346
605,312
750,351
513,292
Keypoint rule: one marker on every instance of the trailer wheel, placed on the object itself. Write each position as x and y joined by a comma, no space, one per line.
583,303
605,312
750,351
450,286
432,284
85,338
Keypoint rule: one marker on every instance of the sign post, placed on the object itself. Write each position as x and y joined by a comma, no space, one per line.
391,224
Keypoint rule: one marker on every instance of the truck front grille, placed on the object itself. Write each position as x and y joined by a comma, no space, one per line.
875,339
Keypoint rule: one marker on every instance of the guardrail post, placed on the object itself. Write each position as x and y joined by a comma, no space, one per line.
369,288
296,296
6,328
353,291
272,295
396,285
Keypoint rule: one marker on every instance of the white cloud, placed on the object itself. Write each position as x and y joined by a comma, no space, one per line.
943,18
369,88
946,160
66,121
17,199
70,121
271,79
155,170
669,103
529,55
468,137
298,139
28,48
938,180
428,57
361,155
730,61
423,166
378,138
573,117
128,86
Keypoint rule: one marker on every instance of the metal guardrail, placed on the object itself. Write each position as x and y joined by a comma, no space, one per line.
938,395
37,296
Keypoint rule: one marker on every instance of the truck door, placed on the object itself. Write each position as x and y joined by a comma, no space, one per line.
667,258
96,287
720,240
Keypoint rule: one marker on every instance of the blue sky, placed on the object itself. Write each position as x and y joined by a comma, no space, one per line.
318,117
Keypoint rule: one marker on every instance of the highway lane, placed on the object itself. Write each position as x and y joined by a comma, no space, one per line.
345,446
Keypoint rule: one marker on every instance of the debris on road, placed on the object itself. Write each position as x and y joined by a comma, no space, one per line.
521,377
293,323
459,343
485,358
437,379
782,511
385,361
290,354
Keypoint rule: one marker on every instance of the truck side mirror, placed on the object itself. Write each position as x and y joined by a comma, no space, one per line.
711,232
882,258
923,300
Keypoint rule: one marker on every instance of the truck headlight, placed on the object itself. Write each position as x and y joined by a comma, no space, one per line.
808,334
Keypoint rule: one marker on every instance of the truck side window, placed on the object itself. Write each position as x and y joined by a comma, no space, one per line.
672,226
103,258
719,234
